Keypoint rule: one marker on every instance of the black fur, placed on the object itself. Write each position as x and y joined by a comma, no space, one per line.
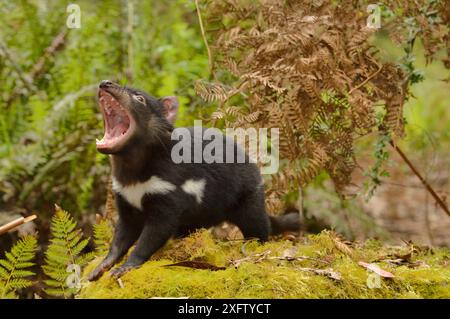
233,192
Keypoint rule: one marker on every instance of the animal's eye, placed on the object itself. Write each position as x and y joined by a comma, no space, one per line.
139,98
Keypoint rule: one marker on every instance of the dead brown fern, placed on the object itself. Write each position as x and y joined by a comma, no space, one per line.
309,69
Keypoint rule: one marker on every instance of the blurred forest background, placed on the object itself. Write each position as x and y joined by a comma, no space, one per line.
49,119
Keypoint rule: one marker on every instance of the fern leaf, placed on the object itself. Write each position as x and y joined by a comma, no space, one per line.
66,248
25,265
56,292
79,246
57,276
22,273
211,92
13,269
85,258
103,233
11,258
19,283
6,264
3,273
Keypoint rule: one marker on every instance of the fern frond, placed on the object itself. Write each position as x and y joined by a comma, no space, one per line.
103,233
66,248
211,92
317,82
13,269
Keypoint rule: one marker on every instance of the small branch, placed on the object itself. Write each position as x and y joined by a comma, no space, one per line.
299,258
38,68
24,78
366,80
56,44
424,182
129,35
202,29
16,223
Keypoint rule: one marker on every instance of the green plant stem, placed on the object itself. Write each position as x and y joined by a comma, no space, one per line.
202,29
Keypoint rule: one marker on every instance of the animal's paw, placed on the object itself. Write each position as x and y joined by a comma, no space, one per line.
98,272
122,270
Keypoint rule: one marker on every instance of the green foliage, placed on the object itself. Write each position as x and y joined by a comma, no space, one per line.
65,251
103,234
14,269
48,129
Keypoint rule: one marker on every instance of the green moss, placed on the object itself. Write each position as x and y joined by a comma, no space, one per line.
275,278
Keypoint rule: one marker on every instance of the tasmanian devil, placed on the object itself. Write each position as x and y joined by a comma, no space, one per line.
158,198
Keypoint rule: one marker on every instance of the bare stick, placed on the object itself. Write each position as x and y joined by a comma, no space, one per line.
424,182
24,78
366,80
39,67
56,44
15,223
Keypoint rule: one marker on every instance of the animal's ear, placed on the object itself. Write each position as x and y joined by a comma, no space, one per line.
170,108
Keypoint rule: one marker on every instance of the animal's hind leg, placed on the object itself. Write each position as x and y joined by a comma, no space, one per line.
251,217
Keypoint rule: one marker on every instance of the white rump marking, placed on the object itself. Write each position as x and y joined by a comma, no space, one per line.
196,188
135,192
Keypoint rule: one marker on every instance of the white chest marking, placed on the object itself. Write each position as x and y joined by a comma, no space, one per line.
196,188
135,192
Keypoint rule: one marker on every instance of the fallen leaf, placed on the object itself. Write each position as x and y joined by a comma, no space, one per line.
342,245
376,269
298,258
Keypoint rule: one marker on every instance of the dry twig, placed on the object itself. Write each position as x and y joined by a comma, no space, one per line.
16,223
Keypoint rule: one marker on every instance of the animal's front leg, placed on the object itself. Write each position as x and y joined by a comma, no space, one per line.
126,233
156,232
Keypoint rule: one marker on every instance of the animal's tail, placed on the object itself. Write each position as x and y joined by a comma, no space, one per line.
287,222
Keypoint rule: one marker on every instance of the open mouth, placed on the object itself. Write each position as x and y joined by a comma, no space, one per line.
118,122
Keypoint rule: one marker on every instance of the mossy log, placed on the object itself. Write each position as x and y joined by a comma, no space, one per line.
319,266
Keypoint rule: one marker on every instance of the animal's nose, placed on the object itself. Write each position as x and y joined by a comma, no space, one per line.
105,84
